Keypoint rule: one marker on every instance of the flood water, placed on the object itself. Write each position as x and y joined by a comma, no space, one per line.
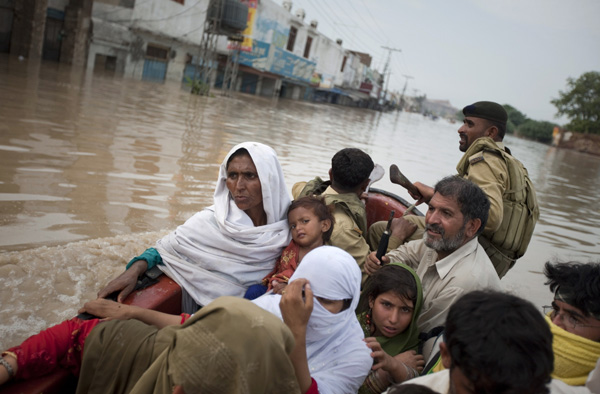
94,169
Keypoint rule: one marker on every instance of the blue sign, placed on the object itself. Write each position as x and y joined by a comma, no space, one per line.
267,57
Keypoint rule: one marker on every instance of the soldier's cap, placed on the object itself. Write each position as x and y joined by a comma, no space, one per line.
486,110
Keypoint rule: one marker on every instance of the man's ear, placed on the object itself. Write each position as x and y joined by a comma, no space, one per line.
363,186
331,175
492,132
471,227
445,353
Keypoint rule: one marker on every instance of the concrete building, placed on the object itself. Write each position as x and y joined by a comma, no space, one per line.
50,29
281,54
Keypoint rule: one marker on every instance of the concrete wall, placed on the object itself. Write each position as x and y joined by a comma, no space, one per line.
588,143
329,57
29,22
166,17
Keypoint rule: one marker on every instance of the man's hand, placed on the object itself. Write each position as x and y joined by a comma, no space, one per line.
402,229
425,191
296,309
125,282
372,264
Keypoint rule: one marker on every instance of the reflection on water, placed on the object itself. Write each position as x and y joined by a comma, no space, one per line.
94,169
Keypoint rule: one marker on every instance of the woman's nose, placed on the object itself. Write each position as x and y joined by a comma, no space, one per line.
240,184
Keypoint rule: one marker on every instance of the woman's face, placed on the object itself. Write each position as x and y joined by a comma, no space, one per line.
333,306
244,185
390,314
306,228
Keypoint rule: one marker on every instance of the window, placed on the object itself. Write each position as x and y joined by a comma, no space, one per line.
156,52
292,39
344,63
307,46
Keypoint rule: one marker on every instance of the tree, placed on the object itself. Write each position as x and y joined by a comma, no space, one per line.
536,130
515,118
581,103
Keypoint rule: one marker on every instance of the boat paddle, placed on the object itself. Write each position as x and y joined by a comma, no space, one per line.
399,179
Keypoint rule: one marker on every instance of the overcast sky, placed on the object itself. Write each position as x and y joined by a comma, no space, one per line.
517,52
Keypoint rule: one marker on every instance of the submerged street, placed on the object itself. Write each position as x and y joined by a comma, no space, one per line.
93,169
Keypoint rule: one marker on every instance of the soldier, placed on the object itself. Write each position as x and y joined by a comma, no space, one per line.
489,164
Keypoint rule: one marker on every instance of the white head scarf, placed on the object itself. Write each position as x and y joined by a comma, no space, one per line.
219,251
338,358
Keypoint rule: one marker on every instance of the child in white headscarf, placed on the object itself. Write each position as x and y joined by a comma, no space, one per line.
319,307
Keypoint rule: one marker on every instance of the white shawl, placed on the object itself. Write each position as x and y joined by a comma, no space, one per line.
338,358
219,251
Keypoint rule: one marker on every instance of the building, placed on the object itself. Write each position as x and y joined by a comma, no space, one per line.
279,53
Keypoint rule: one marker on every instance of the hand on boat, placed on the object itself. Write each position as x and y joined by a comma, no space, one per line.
107,310
124,283
372,264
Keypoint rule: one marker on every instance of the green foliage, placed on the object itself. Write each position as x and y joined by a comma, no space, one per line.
581,103
515,118
536,130
197,86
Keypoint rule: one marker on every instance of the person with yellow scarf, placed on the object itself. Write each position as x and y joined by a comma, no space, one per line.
574,319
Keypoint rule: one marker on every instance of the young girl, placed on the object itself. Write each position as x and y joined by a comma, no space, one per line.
390,305
311,225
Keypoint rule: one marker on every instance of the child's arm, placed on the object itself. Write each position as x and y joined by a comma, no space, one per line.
110,310
398,367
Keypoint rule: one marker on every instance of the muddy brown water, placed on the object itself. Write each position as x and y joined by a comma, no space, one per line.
93,169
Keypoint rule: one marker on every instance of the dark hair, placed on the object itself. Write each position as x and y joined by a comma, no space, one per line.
350,167
239,152
501,343
317,205
499,125
410,388
473,202
580,281
390,277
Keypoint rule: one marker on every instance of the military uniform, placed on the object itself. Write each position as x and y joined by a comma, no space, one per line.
513,204
349,214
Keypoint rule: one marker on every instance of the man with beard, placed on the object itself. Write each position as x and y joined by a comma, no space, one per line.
449,260
489,164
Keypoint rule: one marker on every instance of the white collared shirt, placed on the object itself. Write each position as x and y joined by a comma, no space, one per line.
468,268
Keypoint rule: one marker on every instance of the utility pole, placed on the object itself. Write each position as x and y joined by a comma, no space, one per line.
385,70
404,90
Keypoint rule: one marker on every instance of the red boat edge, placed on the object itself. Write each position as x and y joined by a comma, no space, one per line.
165,296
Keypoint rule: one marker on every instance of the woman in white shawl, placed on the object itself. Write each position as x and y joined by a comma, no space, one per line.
330,355
228,246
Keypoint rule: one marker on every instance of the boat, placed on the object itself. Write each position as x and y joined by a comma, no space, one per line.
165,296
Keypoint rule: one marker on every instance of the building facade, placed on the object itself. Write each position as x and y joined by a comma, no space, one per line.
281,54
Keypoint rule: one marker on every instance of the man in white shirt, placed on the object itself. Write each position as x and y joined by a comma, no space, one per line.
449,260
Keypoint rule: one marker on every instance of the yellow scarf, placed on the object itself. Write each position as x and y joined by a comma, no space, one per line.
574,356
